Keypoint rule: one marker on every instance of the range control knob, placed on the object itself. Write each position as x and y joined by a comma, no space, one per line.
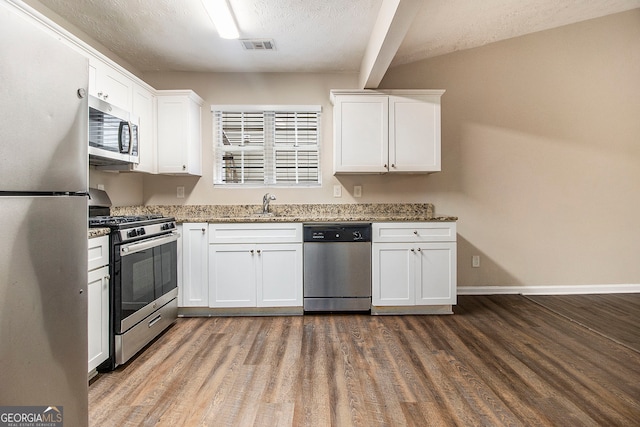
141,232
132,233
357,235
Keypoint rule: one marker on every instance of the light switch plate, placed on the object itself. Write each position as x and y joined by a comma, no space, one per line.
337,190
357,191
180,192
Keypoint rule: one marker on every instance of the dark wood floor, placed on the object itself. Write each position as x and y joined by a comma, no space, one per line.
616,316
500,360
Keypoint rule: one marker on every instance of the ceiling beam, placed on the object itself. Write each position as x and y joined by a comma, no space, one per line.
393,22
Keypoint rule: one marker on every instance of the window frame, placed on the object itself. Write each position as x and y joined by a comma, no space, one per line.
270,146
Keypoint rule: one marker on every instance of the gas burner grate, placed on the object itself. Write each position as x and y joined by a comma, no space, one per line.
111,221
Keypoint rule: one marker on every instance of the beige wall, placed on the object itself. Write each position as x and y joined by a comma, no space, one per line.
541,153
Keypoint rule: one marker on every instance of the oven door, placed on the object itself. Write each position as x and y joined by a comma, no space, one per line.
146,276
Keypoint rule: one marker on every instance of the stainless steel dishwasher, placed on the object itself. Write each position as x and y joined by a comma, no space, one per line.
337,267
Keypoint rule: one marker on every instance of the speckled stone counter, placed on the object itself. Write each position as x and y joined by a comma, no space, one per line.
370,212
97,232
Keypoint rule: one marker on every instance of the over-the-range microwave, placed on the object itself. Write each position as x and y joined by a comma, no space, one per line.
113,135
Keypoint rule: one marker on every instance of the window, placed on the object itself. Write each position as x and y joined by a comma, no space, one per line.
266,145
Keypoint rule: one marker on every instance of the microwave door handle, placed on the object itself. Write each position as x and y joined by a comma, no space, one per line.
130,138
120,131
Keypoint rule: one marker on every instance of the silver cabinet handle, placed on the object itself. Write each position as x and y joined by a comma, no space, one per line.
204,230
258,251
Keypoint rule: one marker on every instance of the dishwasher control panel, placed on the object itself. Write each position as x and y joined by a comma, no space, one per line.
337,233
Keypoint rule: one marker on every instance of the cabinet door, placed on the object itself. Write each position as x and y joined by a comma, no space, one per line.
110,84
173,119
144,109
394,274
98,316
179,135
361,136
437,276
414,129
232,276
195,281
279,275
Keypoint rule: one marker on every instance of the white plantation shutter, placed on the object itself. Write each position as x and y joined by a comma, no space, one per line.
269,146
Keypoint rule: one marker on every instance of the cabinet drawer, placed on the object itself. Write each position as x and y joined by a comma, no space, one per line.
414,232
98,252
255,233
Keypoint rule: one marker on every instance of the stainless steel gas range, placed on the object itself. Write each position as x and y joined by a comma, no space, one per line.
143,284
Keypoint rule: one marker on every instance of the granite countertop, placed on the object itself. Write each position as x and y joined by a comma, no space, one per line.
97,232
369,212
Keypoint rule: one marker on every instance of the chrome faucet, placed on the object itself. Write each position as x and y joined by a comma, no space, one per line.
265,202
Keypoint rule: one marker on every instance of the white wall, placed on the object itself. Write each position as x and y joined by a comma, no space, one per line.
541,153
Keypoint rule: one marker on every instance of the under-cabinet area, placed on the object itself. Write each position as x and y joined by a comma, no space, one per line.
257,268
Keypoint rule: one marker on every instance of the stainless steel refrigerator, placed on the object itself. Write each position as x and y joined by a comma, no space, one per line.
43,217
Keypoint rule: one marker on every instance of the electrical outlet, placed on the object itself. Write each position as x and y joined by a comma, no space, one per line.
101,187
180,192
475,261
357,191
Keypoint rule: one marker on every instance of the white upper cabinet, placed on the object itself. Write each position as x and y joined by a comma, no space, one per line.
143,107
361,133
179,132
386,131
414,133
109,84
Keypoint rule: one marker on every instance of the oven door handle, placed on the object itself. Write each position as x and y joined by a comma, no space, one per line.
132,248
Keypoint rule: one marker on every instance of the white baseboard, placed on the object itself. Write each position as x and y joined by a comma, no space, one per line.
549,290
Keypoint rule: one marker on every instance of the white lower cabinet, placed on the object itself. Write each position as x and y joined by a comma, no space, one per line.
255,272
414,264
194,289
98,301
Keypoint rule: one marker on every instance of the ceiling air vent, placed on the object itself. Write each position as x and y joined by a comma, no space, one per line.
258,44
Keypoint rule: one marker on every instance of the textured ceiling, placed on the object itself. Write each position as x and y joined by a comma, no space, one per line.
309,35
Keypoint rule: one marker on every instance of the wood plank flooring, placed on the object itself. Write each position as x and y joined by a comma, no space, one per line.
616,316
500,360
